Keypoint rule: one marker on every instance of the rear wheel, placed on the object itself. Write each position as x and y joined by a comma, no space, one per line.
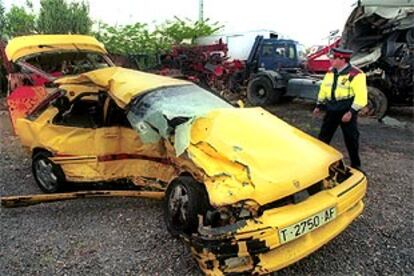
377,103
260,92
185,200
48,176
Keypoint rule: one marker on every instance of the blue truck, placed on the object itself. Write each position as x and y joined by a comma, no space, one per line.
270,68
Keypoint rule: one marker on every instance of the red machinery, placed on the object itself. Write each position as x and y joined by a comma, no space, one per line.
206,65
318,62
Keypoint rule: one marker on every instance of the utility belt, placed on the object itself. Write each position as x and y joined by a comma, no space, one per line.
339,105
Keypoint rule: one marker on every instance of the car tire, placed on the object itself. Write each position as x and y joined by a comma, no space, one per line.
185,199
260,92
48,176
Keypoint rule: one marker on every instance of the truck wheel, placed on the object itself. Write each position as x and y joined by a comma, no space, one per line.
48,176
377,103
260,92
185,199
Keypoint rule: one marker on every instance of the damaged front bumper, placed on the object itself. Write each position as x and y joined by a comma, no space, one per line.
254,245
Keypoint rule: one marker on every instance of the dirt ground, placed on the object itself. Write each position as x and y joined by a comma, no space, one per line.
128,236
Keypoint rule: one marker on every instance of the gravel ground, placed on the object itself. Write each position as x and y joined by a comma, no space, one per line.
128,236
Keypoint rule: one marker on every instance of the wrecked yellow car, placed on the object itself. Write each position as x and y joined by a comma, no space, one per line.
35,61
249,192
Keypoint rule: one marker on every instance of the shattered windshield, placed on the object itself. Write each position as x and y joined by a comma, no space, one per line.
64,63
171,110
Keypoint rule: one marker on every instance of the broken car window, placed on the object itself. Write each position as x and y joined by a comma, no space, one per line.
86,111
68,62
157,114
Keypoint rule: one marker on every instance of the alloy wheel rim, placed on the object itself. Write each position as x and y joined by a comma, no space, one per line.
45,174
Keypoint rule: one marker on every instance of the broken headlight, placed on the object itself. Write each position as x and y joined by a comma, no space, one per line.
227,215
338,173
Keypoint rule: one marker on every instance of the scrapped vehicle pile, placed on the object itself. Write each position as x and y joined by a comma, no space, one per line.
247,191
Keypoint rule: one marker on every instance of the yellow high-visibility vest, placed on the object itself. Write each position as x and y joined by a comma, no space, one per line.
349,85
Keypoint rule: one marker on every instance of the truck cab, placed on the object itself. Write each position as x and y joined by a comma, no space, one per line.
270,65
275,54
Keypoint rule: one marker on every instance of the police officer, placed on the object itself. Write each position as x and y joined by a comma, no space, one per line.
342,94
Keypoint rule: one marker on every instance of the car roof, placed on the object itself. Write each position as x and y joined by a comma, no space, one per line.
28,45
122,84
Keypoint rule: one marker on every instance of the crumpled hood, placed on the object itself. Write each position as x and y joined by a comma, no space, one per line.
251,154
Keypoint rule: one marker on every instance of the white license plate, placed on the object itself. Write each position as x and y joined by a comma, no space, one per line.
307,225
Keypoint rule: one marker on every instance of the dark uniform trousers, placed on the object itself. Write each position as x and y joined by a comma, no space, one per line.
331,121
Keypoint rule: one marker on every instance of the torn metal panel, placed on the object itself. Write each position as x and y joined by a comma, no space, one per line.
182,137
381,35
365,59
368,26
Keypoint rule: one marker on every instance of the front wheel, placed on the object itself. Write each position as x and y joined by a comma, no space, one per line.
185,200
48,176
260,92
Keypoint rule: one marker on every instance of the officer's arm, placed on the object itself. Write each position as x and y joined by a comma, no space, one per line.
322,95
359,86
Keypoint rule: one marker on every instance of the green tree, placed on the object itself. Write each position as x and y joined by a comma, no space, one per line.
137,39
61,17
178,30
130,39
19,21
2,19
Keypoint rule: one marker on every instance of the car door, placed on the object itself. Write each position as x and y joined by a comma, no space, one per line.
70,132
122,154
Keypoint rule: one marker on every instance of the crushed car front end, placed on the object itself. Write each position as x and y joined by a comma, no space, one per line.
273,200
254,193
282,232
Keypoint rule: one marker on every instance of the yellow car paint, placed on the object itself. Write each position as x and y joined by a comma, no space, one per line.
266,155
123,84
28,45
